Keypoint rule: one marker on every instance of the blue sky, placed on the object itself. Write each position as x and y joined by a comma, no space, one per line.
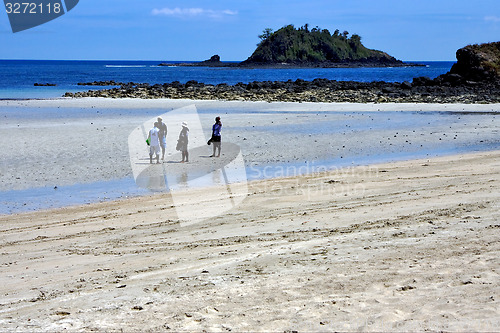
195,29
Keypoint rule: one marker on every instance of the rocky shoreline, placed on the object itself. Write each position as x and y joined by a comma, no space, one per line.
448,88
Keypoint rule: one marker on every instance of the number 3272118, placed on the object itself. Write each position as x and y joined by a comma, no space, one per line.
32,8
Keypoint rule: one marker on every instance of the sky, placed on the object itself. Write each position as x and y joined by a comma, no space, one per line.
194,30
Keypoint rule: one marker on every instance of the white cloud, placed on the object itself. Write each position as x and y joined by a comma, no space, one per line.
229,12
193,12
492,19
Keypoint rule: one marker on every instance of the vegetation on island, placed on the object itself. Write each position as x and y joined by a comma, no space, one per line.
303,45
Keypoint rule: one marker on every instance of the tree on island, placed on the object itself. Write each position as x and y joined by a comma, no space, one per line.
266,33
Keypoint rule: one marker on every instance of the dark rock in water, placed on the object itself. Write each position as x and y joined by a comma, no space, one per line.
214,61
214,58
100,83
44,84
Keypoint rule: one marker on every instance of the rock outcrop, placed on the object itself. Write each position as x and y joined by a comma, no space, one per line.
476,65
215,59
478,62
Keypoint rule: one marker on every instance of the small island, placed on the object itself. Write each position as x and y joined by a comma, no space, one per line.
307,48
316,47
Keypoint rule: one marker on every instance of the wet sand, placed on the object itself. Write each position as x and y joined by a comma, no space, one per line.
406,246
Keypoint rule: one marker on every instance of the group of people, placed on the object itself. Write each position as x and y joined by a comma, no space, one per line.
157,140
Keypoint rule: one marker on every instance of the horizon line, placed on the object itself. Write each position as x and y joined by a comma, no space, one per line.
160,61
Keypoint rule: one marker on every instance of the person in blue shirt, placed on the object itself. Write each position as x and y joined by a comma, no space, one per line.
216,137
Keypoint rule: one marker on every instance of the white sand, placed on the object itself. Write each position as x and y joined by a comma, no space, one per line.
408,246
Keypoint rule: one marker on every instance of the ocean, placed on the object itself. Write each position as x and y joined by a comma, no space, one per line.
19,76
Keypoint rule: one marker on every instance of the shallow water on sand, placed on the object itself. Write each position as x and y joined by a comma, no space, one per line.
273,144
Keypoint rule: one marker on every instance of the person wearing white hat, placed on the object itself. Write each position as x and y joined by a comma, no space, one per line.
182,142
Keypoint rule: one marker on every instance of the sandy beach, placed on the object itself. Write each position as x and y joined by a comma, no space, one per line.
410,245
407,246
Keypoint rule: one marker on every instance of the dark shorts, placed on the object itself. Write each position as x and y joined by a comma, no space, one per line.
215,138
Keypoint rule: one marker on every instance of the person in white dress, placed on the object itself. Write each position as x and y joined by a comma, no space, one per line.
154,143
